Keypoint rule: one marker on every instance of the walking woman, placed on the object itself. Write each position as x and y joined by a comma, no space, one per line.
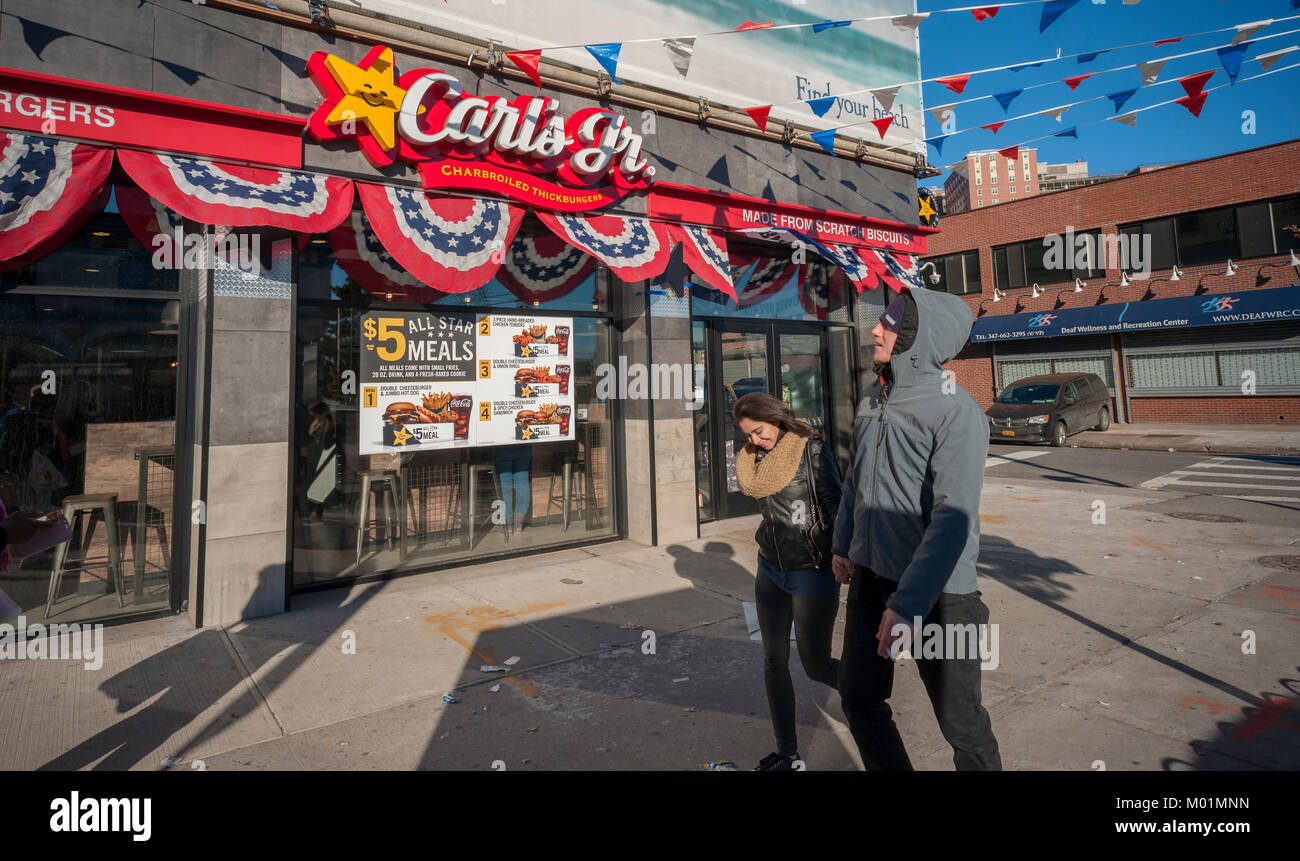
792,473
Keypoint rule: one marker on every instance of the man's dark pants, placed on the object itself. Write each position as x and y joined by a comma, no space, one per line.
867,680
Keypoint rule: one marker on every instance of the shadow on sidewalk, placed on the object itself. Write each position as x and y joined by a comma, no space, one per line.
646,711
189,677
1266,736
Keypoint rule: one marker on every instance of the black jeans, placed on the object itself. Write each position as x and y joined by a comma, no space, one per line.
867,680
814,621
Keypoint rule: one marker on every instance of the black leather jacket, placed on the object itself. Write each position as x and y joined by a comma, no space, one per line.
780,539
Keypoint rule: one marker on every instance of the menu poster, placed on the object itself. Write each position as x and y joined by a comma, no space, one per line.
417,381
524,370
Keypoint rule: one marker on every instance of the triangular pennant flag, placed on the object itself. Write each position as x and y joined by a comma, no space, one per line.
1026,66
754,25
937,143
909,22
942,112
1150,70
759,116
956,83
680,52
1166,42
886,96
1194,103
1010,152
1245,31
825,140
883,124
1231,59
1071,132
1055,113
1089,57
1052,10
607,56
1121,97
984,12
993,127
1270,59
1075,80
1004,98
1193,84
828,23
1129,119
527,61
822,105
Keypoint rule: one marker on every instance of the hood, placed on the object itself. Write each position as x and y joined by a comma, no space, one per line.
1018,411
943,324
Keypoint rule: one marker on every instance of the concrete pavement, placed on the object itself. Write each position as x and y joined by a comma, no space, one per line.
1276,440
1120,643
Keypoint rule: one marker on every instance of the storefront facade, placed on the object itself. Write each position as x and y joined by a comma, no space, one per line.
205,265
1178,287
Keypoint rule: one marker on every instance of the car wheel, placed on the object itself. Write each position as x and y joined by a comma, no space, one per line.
1058,435
1103,419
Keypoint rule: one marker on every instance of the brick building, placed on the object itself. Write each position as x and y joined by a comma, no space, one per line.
985,178
1188,342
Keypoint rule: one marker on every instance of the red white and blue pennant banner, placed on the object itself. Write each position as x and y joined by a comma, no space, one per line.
454,243
705,252
759,277
895,269
364,258
240,196
49,189
633,248
544,268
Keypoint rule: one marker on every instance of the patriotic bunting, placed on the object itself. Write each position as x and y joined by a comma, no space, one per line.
1004,99
1052,10
527,61
1230,59
1245,31
759,277
680,52
1193,84
885,96
821,105
849,262
363,257
895,269
942,113
49,189
828,24
984,12
1089,57
1055,113
1166,42
937,143
543,268
759,115
1121,97
1129,119
239,196
754,25
993,127
1074,81
1270,59
1071,132
819,286
909,22
882,124
1150,70
148,219
705,252
607,56
1025,66
454,244
825,140
1010,152
790,236
956,83
633,248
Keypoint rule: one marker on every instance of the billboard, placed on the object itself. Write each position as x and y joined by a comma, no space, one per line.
745,69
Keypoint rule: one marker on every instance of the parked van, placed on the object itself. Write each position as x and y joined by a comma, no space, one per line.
1048,408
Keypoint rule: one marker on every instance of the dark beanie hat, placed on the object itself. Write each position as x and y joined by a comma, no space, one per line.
892,319
901,318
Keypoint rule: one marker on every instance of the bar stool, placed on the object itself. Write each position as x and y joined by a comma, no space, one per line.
386,484
571,462
466,503
102,506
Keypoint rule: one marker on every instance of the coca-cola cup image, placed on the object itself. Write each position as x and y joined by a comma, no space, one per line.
562,371
463,405
563,414
562,337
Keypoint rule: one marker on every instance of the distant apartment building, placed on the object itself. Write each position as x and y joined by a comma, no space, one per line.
986,178
1059,177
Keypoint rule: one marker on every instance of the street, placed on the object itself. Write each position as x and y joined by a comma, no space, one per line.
1130,638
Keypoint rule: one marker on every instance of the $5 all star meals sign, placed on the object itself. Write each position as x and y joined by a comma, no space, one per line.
518,148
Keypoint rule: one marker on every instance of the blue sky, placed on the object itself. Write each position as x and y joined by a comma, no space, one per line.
954,43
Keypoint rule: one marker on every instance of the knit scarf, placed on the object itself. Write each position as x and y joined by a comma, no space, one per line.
776,469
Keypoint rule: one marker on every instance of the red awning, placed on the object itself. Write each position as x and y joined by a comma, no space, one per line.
455,244
633,248
49,189
212,192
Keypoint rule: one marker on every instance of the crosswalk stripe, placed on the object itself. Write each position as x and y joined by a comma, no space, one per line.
996,459
1181,482
1263,498
1235,475
1230,465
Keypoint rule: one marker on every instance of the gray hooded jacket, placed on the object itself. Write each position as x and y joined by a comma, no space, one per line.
909,509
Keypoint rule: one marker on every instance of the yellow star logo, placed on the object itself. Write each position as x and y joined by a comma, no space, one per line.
528,433
401,436
370,96
927,211
525,350
527,391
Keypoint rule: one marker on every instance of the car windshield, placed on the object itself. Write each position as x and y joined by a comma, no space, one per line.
1031,394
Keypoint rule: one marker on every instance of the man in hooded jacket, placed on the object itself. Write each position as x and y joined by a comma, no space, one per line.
907,533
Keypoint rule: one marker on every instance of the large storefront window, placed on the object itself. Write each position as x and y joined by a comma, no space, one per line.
360,515
88,368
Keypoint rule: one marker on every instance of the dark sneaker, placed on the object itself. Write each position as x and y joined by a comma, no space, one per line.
777,762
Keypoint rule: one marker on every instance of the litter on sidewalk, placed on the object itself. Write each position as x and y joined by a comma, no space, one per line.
492,668
751,621
448,698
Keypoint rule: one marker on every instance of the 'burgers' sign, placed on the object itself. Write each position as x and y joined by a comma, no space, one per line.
510,147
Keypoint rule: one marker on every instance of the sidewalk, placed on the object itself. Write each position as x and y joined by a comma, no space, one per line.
1119,642
1273,440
